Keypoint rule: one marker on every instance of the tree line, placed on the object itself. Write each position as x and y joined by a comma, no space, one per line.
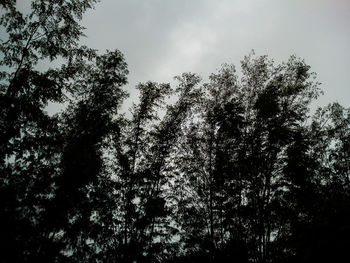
236,169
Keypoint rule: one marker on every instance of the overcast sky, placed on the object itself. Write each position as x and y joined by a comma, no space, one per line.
163,38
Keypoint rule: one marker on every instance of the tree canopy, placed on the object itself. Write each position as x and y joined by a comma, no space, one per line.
233,169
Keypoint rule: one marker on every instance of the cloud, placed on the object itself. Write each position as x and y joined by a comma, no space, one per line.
163,38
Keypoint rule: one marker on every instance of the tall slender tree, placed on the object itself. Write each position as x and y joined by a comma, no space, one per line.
234,169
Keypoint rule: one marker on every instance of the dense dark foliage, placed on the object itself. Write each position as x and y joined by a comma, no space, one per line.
232,170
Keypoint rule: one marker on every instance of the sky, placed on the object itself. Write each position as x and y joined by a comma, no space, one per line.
164,38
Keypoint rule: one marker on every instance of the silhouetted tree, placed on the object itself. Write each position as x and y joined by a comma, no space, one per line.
31,140
320,227
231,170
237,153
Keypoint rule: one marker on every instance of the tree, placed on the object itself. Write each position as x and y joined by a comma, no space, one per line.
31,140
320,228
143,162
87,125
238,152
235,169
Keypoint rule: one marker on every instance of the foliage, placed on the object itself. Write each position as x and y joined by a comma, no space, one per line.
232,170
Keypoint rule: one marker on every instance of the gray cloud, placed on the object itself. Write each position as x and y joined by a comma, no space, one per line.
163,38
